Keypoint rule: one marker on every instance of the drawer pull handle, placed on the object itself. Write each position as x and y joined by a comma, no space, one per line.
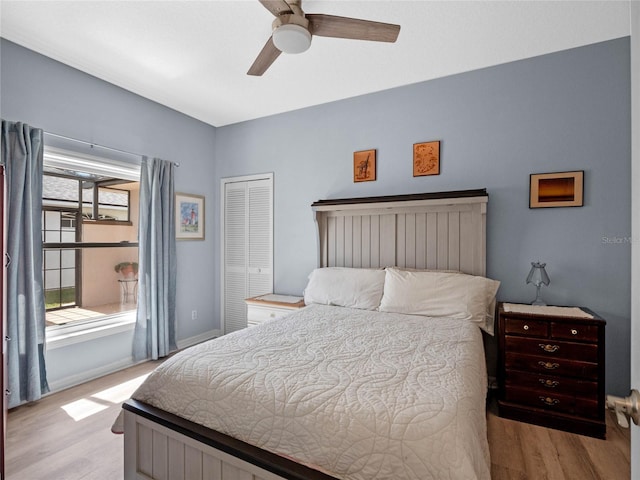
549,383
549,401
574,331
549,365
549,348
526,327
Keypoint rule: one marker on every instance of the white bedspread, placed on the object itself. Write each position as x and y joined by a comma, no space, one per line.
360,395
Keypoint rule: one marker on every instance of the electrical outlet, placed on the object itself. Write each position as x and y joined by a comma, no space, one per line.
194,314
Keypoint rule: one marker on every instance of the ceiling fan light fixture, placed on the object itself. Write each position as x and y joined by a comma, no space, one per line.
291,38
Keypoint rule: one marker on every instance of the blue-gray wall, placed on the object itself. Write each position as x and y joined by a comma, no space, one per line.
559,112
47,94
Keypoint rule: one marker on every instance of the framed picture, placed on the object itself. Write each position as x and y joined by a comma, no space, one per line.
364,166
189,217
562,189
426,159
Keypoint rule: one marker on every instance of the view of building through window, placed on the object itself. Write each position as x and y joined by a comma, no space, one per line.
89,233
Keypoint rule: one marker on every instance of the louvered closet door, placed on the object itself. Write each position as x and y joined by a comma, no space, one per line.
260,238
248,247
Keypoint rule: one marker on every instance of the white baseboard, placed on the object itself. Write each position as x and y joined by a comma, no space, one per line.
203,337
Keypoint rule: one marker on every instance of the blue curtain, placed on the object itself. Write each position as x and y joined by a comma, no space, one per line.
22,157
155,332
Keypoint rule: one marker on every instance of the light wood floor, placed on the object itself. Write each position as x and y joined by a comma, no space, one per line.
66,436
520,451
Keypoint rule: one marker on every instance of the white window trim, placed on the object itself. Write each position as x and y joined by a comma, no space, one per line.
59,158
64,335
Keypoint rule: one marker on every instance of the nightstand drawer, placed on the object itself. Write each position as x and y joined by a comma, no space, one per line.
571,404
257,314
530,328
552,348
574,331
551,384
552,366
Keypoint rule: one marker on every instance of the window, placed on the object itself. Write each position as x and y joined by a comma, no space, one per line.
89,225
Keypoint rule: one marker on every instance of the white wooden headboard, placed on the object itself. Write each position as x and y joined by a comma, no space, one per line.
444,230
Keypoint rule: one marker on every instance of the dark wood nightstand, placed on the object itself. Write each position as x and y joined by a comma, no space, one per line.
551,367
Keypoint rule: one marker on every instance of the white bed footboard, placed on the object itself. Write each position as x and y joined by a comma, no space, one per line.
156,452
162,446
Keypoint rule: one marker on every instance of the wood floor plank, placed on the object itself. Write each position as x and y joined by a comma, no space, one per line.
504,442
541,460
45,441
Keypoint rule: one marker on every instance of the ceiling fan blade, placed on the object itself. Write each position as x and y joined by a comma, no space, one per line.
354,28
276,7
265,58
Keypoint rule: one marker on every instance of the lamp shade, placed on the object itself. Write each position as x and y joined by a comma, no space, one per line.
538,275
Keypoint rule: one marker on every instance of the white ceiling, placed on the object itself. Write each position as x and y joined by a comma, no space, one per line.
193,55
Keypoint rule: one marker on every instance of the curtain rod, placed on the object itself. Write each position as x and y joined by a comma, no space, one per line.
92,145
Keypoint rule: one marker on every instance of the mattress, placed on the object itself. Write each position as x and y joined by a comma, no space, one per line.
356,394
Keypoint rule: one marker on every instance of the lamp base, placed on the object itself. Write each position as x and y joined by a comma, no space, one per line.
538,300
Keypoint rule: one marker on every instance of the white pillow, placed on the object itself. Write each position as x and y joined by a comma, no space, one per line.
440,294
345,287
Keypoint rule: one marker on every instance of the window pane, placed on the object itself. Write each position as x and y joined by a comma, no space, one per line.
68,277
51,279
52,237
113,204
68,236
51,259
51,220
111,196
68,258
59,191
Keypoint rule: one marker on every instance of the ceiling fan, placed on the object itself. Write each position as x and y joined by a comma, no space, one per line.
293,29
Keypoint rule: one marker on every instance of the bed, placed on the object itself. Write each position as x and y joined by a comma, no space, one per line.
370,380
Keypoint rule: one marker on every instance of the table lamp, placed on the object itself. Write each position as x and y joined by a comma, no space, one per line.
538,276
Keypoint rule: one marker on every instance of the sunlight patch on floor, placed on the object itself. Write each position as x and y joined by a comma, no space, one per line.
99,401
121,392
83,408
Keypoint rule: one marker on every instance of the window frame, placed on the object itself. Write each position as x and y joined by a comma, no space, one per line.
107,324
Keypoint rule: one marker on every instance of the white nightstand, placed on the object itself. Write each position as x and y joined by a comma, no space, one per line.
270,306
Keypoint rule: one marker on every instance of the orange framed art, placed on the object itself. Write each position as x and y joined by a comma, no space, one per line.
426,159
364,166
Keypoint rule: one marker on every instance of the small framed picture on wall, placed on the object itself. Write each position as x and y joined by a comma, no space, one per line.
426,159
189,217
364,166
561,189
